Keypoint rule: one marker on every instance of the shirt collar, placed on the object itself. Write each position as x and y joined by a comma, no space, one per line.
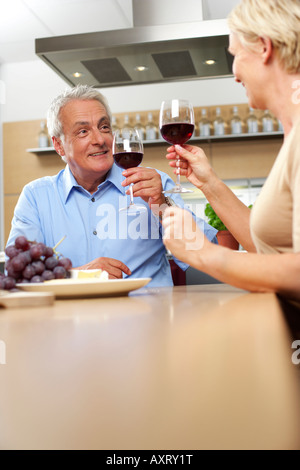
114,176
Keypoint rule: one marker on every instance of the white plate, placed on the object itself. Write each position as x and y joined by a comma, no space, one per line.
89,287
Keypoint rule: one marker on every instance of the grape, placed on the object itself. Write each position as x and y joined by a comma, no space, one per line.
28,272
1,283
42,247
11,272
22,243
9,283
51,263
38,266
26,255
11,251
59,272
36,251
18,263
65,262
48,252
47,275
36,278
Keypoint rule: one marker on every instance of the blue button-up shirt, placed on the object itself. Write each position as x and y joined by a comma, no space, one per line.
52,207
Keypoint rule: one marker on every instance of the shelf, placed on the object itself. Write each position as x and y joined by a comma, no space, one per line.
41,150
246,136
226,137
212,138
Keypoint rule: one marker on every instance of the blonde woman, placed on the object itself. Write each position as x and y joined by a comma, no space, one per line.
265,44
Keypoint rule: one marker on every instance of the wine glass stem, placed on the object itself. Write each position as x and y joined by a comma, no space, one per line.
178,171
131,194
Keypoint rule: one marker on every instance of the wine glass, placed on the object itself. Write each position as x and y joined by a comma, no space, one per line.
128,152
176,124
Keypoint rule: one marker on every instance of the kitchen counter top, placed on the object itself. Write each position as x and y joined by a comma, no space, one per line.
190,367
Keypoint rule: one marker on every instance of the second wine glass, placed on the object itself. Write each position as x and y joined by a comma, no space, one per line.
128,152
176,124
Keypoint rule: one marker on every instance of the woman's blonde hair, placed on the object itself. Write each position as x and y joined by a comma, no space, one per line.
279,20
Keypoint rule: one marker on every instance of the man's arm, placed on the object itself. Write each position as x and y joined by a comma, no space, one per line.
26,221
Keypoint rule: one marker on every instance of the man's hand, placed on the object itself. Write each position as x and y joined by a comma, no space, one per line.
146,184
114,267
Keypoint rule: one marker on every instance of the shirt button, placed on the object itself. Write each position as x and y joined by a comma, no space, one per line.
94,232
93,199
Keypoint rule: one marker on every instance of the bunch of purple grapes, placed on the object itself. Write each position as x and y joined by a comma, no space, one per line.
32,262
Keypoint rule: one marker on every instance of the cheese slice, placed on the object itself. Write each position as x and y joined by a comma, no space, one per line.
89,273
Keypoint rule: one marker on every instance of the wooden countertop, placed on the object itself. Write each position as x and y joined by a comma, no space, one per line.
195,367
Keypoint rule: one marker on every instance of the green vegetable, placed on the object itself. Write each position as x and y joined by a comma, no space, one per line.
213,219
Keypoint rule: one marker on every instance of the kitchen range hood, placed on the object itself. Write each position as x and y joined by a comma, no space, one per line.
139,55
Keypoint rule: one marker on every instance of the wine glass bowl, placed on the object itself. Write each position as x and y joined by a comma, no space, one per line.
176,124
128,152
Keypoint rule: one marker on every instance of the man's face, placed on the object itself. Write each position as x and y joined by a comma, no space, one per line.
87,140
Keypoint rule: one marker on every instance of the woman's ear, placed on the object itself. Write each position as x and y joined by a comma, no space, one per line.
266,49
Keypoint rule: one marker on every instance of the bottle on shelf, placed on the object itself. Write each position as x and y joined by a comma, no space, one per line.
139,127
43,139
252,122
126,125
280,127
267,122
151,129
219,123
204,125
114,124
236,123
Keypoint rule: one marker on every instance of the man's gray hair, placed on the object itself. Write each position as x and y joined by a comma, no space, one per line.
79,92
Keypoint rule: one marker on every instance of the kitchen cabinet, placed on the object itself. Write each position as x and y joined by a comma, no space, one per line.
232,156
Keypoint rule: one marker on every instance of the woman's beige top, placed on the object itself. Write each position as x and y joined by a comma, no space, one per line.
275,217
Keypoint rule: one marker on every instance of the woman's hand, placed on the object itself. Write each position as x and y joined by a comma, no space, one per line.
193,164
183,237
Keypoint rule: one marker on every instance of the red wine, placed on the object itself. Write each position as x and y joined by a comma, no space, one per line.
127,160
177,132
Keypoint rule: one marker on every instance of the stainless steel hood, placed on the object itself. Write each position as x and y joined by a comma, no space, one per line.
115,58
